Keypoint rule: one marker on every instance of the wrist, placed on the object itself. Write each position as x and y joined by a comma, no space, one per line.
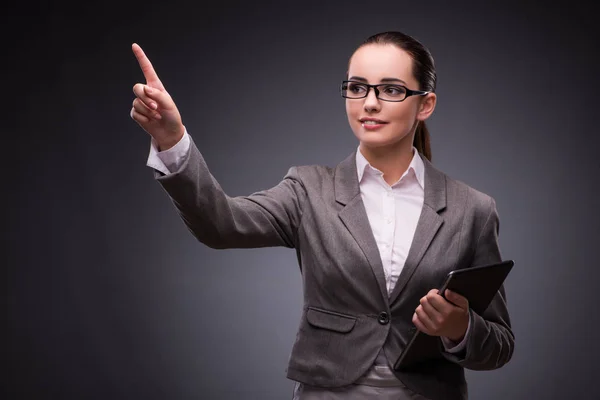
456,339
164,144
460,332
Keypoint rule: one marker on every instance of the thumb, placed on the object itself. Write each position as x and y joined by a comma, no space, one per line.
457,299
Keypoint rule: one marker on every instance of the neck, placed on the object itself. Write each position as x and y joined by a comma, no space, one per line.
392,160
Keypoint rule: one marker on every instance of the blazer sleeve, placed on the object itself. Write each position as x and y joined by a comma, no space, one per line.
263,219
490,342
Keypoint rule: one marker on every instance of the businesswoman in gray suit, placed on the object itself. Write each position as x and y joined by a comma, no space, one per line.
374,236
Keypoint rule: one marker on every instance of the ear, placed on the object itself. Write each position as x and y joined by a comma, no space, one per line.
427,106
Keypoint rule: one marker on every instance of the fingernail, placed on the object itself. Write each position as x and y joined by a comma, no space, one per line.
157,116
153,106
148,89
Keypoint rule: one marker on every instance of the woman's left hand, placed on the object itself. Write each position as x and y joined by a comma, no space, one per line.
437,316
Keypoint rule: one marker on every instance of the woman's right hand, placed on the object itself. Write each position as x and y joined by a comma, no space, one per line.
153,108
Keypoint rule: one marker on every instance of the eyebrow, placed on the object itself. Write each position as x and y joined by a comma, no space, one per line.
360,78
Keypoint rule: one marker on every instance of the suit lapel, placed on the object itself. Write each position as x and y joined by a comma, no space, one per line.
427,227
354,217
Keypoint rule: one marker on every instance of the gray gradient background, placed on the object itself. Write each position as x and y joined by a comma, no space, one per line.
108,296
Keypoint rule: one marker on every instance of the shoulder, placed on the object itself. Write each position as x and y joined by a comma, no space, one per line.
312,177
317,174
460,194
311,172
477,196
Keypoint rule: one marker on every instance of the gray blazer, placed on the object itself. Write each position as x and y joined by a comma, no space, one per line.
347,316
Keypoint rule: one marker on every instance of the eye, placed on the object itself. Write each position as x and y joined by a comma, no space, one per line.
356,88
393,90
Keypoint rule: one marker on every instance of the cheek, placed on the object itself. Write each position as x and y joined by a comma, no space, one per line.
404,112
351,108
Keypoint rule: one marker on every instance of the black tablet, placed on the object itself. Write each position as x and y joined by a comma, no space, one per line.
478,284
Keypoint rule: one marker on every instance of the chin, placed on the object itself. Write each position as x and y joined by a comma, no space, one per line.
375,141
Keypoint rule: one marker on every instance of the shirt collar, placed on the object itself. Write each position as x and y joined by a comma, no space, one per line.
416,165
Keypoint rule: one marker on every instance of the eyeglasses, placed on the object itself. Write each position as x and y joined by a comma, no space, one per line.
383,91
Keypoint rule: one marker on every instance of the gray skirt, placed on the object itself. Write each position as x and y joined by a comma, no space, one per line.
379,382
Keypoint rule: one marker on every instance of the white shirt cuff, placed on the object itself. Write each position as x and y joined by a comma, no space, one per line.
170,160
452,347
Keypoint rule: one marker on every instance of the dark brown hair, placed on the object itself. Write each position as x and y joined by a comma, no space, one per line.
423,71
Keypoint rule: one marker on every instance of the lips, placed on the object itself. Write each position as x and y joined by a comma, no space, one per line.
372,121
372,124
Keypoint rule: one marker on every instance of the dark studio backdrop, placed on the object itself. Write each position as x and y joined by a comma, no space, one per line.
108,296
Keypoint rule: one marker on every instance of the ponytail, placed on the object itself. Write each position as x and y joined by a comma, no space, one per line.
421,140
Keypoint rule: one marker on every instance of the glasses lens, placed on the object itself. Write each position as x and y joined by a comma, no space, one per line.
354,90
392,92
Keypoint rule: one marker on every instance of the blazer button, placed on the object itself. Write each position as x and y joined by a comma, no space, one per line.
384,318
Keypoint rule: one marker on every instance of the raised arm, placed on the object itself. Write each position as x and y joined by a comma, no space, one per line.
267,218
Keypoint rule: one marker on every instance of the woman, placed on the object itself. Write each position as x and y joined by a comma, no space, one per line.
374,236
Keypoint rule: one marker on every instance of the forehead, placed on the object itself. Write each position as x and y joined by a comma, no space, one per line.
376,61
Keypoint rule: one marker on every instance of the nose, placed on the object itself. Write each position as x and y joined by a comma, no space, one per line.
372,103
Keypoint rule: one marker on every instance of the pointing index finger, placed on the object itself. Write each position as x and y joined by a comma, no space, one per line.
146,66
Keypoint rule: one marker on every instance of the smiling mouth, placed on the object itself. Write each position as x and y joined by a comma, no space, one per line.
372,125
372,122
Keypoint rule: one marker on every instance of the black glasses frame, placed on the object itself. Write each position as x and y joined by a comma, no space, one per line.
409,92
